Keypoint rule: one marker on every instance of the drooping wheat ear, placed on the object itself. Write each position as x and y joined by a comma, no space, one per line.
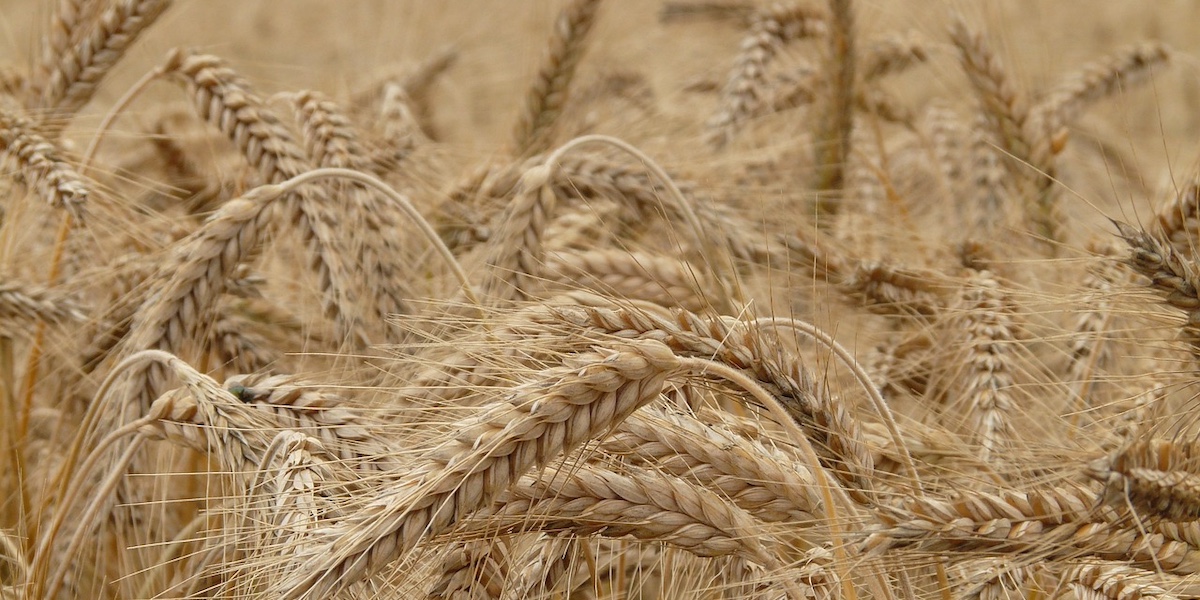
35,162
78,70
418,82
893,54
474,570
1118,72
896,290
1029,149
225,100
357,437
590,499
824,419
547,96
237,347
1171,275
747,87
1157,475
1059,522
24,304
533,424
984,388
835,120
515,253
332,141
664,280
1115,581
768,484
186,293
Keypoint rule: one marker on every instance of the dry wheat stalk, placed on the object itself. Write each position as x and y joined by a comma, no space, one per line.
225,100
32,160
533,424
746,89
547,96
78,70
835,110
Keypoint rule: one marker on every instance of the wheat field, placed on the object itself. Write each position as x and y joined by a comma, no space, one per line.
581,299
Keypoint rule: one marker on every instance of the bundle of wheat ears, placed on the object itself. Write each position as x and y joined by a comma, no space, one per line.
791,328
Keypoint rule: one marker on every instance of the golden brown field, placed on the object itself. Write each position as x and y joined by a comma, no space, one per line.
599,299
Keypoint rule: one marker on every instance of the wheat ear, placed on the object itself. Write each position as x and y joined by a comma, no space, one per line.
563,408
78,70
547,96
225,100
37,163
746,91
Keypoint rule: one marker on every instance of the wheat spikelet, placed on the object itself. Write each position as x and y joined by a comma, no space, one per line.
894,289
239,348
77,71
516,251
223,99
358,437
37,163
745,90
565,407
1177,220
548,95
